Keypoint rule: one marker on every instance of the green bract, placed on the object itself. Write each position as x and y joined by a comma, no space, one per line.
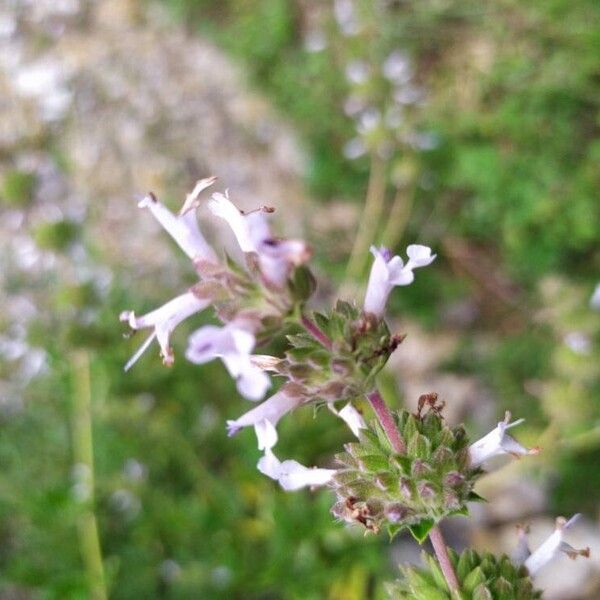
377,486
360,347
480,576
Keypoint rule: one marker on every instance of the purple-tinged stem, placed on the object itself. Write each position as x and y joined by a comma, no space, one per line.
387,421
316,332
441,552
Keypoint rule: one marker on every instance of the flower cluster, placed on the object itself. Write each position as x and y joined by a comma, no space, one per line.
403,470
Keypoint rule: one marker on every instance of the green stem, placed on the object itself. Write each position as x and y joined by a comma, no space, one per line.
83,458
369,221
399,214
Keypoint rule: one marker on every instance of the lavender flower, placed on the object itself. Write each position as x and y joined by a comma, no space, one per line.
497,443
163,320
183,228
389,271
276,258
350,416
233,344
554,546
271,410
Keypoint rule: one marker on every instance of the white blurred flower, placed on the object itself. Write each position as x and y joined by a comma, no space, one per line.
497,443
578,342
346,17
389,271
183,228
315,41
554,546
233,344
354,149
396,68
163,320
357,72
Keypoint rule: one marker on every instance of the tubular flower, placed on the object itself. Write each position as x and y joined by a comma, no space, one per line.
389,271
350,416
270,410
233,344
554,546
290,474
276,258
183,228
163,320
498,442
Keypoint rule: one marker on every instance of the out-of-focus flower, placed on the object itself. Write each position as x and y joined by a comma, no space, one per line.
291,475
396,68
354,149
497,443
163,320
595,299
389,271
233,344
350,416
578,342
345,16
553,547
357,72
276,258
183,228
270,410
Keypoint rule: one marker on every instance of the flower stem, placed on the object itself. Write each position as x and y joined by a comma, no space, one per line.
369,220
83,458
387,421
316,332
441,552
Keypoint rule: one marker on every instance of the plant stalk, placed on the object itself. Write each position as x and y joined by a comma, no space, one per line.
83,458
441,552
387,421
369,220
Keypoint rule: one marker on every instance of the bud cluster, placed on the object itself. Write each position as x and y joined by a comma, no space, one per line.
432,480
358,346
480,576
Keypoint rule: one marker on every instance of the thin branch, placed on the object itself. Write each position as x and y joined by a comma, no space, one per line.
387,421
441,552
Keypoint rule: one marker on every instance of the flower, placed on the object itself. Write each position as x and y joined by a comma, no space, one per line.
276,257
553,547
388,271
290,474
350,416
233,344
183,228
163,320
271,410
498,442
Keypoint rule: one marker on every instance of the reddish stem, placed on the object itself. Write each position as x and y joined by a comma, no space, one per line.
387,421
439,547
316,332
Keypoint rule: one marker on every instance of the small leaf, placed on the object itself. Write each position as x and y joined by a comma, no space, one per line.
474,579
481,592
421,529
473,497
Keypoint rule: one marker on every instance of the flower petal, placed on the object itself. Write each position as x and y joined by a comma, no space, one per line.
183,229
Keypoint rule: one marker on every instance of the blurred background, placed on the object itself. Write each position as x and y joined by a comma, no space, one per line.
470,127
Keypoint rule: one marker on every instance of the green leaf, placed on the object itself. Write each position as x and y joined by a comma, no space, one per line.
421,530
302,284
474,579
473,497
